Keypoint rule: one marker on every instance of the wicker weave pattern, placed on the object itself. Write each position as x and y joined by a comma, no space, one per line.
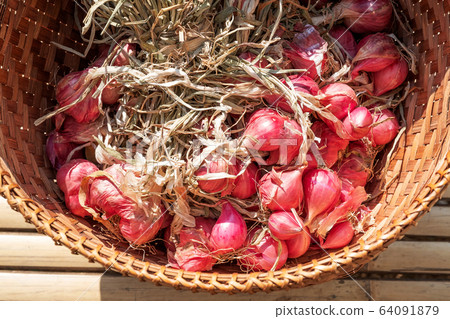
419,169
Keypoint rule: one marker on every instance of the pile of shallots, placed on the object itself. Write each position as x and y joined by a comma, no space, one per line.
305,181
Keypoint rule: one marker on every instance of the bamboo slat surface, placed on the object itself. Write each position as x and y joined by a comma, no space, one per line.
32,267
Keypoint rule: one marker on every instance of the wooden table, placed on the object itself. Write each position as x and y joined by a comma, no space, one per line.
33,268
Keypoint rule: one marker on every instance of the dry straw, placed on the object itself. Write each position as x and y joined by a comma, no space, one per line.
416,169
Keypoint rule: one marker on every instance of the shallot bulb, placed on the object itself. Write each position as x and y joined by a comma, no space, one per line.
121,58
58,153
345,38
354,170
193,250
351,199
270,132
358,123
331,146
111,92
301,84
79,133
365,16
70,90
263,253
284,225
385,127
245,184
322,189
390,77
281,189
375,52
339,98
299,245
339,236
215,168
69,179
308,51
229,232
137,225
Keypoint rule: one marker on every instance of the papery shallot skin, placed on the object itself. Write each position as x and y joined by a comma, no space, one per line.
58,153
136,225
193,251
264,254
70,89
281,189
69,178
308,51
301,84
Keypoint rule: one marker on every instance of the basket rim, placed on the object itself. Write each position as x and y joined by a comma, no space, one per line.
337,264
342,262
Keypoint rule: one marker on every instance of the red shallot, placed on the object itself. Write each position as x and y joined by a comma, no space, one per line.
365,16
358,123
284,225
322,188
339,236
245,184
375,52
385,127
281,189
269,131
339,98
58,152
299,245
263,252
308,51
69,179
229,232
216,167
301,84
331,146
390,77
70,90
345,38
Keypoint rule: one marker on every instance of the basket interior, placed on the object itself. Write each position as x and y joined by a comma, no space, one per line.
30,66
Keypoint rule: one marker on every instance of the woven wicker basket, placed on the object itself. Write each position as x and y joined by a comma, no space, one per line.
418,170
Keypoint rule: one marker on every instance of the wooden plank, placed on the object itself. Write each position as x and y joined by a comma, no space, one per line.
435,223
414,257
10,219
30,250
446,193
77,286
410,290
